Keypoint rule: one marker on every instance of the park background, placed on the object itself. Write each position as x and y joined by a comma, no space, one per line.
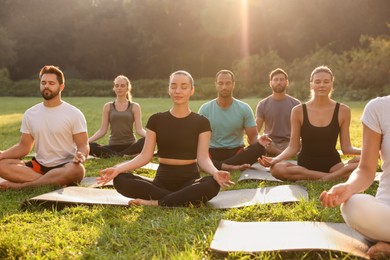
92,41
95,40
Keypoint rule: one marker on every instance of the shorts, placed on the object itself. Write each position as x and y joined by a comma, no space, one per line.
39,168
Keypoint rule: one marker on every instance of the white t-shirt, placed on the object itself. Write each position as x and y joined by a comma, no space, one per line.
52,129
377,118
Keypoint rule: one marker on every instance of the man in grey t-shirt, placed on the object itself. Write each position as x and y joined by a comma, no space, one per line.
274,112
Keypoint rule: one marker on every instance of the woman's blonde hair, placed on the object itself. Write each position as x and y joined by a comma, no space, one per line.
128,94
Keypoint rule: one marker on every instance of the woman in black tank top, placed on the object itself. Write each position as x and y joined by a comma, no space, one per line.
315,127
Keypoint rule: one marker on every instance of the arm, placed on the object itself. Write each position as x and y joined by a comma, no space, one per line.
362,177
19,150
252,134
104,125
345,140
138,120
295,138
140,160
259,124
81,141
204,162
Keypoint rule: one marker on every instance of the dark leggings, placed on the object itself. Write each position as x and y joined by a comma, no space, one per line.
236,156
106,151
173,186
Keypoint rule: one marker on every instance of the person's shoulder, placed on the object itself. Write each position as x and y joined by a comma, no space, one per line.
240,103
298,108
198,116
379,101
209,103
293,99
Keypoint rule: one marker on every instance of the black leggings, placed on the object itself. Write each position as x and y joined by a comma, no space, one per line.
236,156
173,186
106,151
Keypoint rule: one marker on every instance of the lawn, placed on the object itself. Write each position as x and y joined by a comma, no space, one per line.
138,232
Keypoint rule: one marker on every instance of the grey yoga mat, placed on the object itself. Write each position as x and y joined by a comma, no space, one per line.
252,237
249,197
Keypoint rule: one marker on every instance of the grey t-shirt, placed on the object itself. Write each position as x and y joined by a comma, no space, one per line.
276,115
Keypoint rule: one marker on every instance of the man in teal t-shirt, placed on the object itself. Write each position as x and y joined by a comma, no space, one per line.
230,120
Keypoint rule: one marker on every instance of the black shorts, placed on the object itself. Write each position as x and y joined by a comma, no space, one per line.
39,168
322,164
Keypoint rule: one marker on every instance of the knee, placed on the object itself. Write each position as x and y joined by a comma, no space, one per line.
213,188
279,171
123,182
354,210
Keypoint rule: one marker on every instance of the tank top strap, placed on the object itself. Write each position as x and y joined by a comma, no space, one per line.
335,118
305,116
130,105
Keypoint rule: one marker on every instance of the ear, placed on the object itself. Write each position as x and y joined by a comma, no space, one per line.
62,86
192,91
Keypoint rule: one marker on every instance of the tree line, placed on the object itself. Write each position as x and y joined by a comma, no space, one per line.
94,40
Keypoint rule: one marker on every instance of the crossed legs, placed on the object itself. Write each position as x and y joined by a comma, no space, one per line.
370,217
18,175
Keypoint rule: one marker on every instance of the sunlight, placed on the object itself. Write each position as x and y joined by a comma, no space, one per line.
10,119
244,29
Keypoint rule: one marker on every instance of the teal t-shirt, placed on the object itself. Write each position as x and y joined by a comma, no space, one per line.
228,125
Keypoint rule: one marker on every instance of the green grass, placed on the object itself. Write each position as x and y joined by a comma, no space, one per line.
138,232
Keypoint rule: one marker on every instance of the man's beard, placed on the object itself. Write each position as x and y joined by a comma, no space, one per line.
47,94
279,89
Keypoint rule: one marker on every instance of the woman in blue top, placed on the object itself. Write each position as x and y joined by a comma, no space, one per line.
317,124
183,139
121,115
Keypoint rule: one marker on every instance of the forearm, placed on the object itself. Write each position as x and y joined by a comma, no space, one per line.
207,166
137,162
15,152
96,136
351,150
358,181
286,154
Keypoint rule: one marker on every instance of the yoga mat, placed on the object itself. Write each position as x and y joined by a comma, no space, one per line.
257,172
78,196
251,237
91,182
249,197
378,176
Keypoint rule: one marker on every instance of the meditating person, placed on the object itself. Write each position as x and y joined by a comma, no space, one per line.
317,124
231,120
182,138
57,130
120,115
367,214
274,113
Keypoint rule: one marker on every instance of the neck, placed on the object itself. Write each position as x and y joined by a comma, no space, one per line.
121,100
52,102
224,102
278,96
325,100
180,111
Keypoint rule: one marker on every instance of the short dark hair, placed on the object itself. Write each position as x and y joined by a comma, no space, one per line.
51,69
225,72
277,71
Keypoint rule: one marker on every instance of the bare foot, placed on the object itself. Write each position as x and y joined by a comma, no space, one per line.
141,202
380,250
242,167
7,185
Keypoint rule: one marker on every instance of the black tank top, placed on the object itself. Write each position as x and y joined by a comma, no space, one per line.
320,141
